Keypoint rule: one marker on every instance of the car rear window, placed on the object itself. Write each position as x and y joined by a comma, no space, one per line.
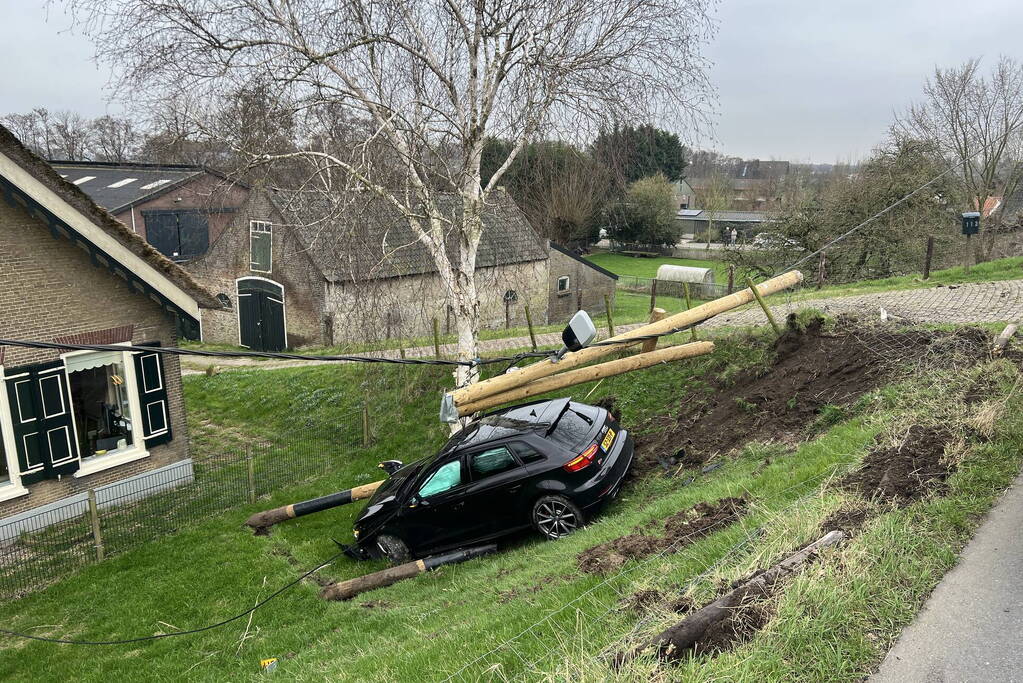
577,424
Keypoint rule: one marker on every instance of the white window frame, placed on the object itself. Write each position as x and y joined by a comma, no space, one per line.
263,227
568,284
12,488
137,449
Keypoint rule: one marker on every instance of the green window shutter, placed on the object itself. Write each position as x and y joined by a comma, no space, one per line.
152,389
260,247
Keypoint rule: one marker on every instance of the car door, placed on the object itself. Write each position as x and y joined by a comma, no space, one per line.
493,496
434,517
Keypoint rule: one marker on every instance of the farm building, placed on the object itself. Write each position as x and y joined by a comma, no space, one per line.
746,223
577,284
77,420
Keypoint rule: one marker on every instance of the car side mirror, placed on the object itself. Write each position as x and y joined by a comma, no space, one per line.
579,332
417,500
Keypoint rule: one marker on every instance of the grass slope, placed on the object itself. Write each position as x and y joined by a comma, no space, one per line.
831,623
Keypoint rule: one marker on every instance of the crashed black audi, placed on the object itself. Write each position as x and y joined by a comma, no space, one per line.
548,465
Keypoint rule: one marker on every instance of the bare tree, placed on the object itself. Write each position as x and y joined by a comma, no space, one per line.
113,139
976,121
432,80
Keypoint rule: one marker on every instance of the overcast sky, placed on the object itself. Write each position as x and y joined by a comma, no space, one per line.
804,80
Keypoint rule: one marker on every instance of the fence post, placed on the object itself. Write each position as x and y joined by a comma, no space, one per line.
653,295
731,277
689,304
822,265
610,320
651,344
436,338
764,306
529,323
365,424
252,475
928,256
97,534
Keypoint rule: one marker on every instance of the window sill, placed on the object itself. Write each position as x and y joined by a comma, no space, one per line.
105,462
565,293
11,490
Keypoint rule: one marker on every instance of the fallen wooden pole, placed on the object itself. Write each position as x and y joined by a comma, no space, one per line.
346,590
504,383
657,314
675,642
1002,340
261,521
589,374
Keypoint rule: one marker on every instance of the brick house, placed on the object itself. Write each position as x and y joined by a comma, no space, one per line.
577,284
71,273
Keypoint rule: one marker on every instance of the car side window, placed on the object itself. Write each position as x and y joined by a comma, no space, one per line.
527,453
446,477
490,462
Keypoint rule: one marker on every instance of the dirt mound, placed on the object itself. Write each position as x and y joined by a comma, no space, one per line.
849,520
907,471
811,369
680,530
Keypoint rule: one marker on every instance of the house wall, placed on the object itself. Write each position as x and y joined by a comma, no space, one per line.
52,289
586,291
228,259
405,307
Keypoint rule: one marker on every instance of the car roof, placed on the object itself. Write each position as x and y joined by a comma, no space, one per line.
508,422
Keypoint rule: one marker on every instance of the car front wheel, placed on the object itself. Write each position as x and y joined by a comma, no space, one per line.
394,549
556,516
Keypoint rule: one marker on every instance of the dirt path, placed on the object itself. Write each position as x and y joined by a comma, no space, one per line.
968,303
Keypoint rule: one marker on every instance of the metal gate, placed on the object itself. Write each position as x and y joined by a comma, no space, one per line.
261,314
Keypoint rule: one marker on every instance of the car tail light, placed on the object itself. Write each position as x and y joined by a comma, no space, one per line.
582,460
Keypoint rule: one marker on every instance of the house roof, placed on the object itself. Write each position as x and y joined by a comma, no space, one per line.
367,238
586,262
725,216
119,186
69,213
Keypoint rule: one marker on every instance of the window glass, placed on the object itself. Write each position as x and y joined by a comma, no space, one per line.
494,461
526,452
563,283
261,246
444,479
99,399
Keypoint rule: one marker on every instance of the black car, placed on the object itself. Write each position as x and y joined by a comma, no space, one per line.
548,464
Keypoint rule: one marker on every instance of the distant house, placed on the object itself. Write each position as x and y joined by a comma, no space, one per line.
379,281
746,223
77,420
577,284
754,185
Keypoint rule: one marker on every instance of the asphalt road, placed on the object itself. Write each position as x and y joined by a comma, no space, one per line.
971,628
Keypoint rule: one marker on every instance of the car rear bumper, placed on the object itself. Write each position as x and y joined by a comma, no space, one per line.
605,484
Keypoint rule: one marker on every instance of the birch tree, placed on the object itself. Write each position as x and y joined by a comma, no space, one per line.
427,82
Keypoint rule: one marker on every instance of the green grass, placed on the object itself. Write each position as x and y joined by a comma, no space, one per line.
620,264
832,622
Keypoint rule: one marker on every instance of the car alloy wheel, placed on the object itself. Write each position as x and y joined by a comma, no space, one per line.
555,516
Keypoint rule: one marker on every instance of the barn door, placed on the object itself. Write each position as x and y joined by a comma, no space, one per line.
41,417
261,314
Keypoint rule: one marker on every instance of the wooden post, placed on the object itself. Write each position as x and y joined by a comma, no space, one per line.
447,320
928,257
610,320
689,305
966,268
365,424
97,534
401,351
731,277
529,323
1002,340
651,344
822,264
653,295
764,306
507,314
436,338
252,477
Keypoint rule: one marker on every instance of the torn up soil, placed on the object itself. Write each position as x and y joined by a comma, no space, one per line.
681,529
850,520
907,471
811,369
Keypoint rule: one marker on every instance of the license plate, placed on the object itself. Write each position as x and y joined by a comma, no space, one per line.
609,439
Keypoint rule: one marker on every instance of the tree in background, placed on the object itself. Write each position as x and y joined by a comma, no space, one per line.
714,197
634,152
646,215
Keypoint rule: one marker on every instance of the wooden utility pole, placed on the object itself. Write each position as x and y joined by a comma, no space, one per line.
529,323
928,257
610,320
764,306
651,344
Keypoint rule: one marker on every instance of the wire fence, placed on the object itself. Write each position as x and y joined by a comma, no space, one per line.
39,549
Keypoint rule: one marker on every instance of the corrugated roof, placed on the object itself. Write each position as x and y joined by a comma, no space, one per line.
367,238
730,216
115,187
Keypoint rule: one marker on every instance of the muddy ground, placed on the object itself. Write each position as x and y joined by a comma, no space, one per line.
811,369
678,531
907,471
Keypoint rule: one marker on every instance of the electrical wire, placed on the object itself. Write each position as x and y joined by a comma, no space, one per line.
158,636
